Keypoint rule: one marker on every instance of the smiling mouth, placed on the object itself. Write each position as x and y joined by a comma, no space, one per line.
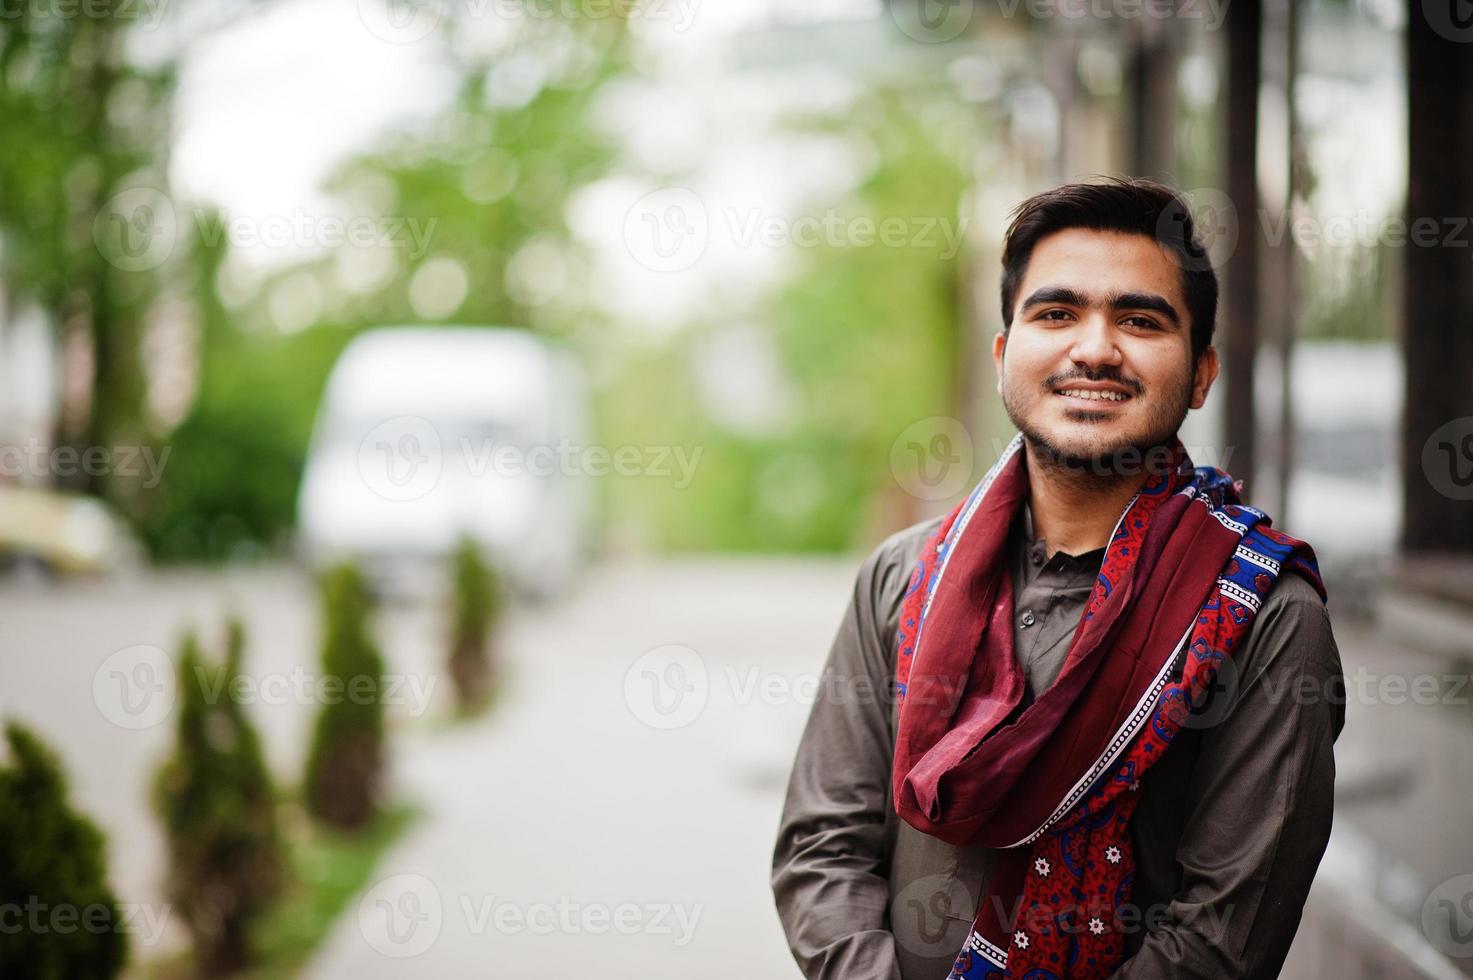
1093,396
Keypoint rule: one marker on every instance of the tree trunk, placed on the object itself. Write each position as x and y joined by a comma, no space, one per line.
1244,66
1437,425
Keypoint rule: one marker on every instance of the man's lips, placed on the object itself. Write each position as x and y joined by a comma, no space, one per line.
1093,395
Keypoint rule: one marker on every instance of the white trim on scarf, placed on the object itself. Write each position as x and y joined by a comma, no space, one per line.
990,951
1126,734
954,537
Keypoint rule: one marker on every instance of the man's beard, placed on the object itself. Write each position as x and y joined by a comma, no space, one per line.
1108,463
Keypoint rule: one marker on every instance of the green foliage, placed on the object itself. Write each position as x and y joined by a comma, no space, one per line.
230,488
331,870
477,607
1346,294
868,339
495,178
327,872
82,124
53,865
485,181
345,765
219,812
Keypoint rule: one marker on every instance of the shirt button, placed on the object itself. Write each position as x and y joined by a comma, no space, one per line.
1037,558
1027,619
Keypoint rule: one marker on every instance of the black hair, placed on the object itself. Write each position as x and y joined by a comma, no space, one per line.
1132,206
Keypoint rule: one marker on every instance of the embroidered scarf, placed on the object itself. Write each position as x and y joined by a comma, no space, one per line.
1055,783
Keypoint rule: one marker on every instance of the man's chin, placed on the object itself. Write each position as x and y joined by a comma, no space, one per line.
1119,457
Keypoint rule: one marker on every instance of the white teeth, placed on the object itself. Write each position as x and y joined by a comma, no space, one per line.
1109,396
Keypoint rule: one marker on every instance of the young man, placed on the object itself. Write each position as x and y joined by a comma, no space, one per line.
1108,750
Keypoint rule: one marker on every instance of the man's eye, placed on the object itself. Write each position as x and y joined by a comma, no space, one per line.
1054,315
1145,323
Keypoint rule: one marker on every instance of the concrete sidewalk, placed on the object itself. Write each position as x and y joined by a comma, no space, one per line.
1400,860
616,812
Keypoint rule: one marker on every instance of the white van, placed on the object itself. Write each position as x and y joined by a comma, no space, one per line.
426,435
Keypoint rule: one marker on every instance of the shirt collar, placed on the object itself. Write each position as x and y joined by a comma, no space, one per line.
1038,551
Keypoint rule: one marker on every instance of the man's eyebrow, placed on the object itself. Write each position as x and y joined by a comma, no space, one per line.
1119,301
1055,294
1146,301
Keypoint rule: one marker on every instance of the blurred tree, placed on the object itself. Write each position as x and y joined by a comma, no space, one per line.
345,765
53,867
867,334
83,222
496,173
477,608
1437,423
219,811
488,184
1243,278
229,491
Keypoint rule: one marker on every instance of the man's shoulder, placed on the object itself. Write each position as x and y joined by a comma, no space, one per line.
899,552
1291,636
886,573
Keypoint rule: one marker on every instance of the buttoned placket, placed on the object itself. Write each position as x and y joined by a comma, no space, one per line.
1048,599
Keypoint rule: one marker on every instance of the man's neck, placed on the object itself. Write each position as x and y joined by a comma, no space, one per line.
1075,512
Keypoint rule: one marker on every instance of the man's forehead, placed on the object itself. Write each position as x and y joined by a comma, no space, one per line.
1102,263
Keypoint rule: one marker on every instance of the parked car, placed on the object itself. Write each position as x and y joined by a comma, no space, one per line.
54,532
425,435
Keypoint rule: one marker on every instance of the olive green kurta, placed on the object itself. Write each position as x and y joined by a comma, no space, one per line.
1230,828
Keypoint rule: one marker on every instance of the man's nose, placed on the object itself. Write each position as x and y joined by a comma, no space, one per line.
1094,342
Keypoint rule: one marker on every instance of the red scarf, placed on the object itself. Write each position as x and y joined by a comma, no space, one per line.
1185,570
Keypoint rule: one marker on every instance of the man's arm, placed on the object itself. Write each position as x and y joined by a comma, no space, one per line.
1260,803
830,866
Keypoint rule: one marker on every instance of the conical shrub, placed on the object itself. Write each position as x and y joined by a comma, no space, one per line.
477,609
218,807
63,920
345,765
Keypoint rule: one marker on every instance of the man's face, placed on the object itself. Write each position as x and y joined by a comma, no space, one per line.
1099,356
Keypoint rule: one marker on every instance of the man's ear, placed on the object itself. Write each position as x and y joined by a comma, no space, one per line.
1205,374
999,345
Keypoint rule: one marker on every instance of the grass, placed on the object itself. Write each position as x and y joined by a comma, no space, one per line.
328,868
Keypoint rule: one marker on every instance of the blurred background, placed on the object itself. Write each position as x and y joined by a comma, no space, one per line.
549,365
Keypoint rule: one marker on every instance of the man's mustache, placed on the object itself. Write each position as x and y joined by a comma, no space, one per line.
1114,377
